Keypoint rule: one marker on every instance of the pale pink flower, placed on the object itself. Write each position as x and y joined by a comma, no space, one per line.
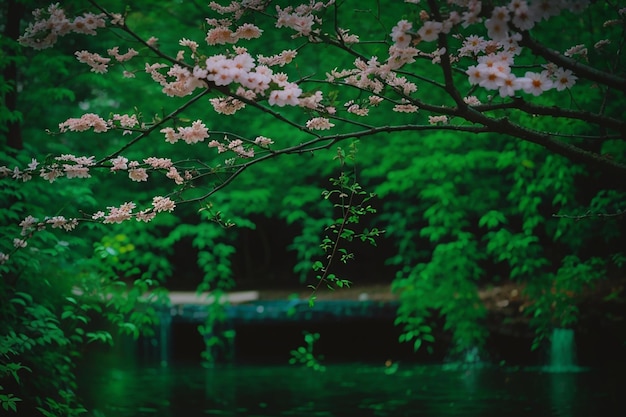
220,35
576,50
158,163
85,122
471,13
19,243
56,222
233,7
494,76
119,163
564,79
61,222
84,160
497,29
263,142
3,258
161,204
433,120
76,171
537,83
511,44
44,32
145,215
51,173
237,147
398,57
28,225
501,13
216,144
88,23
375,100
33,164
476,73
319,123
430,30
311,101
117,19
192,45
126,120
356,109
399,34
195,133
97,63
601,44
174,175
114,52
243,62
544,9
119,214
472,101
288,96
284,57
523,19
184,84
300,20
346,37
16,173
227,105
171,136
138,174
405,108
510,85
248,31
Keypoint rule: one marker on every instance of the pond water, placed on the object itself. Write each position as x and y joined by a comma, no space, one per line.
121,389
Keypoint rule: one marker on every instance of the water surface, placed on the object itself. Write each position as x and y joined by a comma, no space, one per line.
354,389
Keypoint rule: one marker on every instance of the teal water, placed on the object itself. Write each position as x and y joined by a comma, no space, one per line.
356,389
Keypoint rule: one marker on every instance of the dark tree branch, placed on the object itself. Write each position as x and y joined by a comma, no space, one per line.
15,11
572,152
589,214
519,103
580,69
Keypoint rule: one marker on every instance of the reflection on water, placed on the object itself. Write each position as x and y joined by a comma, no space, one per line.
134,390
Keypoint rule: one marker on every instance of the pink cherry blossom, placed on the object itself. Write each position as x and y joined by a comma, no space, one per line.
161,204
537,83
319,123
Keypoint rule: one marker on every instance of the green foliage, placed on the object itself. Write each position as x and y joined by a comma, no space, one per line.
556,305
353,203
304,355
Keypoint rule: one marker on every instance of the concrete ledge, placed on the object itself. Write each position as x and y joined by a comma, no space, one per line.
193,298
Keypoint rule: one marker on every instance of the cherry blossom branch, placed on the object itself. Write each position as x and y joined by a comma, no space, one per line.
582,70
446,65
145,133
122,25
329,141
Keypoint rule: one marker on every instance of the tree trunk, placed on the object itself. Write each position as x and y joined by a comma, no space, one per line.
14,14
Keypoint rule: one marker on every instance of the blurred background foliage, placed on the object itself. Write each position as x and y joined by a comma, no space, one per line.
461,212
